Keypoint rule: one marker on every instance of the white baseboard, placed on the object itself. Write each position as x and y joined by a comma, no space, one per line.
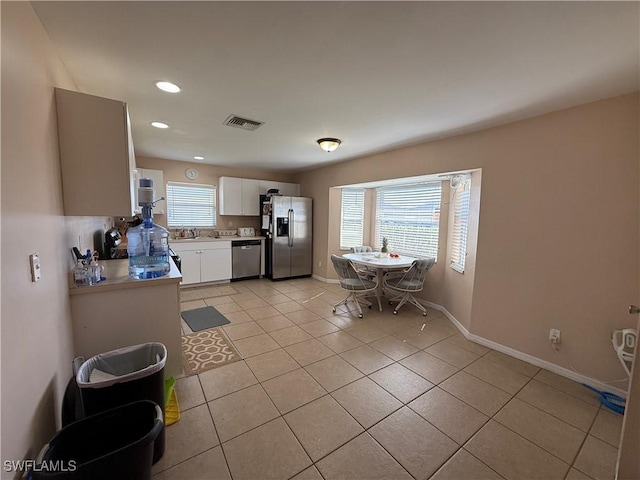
325,280
552,367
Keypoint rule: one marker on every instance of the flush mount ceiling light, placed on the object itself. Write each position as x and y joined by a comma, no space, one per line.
159,125
198,157
168,87
329,144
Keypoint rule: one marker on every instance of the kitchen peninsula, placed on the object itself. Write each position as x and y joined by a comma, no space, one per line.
122,311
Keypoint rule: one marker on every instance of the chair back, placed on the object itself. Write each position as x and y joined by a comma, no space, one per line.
413,279
349,278
362,249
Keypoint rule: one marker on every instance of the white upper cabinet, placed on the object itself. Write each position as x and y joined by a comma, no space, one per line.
96,155
286,189
239,196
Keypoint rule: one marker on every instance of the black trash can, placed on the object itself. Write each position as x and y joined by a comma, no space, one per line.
114,444
122,376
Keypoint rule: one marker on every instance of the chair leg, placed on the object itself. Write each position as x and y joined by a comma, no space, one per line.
343,302
417,304
407,297
353,297
364,301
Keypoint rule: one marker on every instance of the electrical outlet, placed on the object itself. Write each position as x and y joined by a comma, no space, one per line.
320,263
554,335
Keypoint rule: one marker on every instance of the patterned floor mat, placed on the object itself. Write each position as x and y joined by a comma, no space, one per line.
206,350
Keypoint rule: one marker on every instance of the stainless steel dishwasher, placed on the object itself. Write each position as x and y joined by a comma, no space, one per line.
245,259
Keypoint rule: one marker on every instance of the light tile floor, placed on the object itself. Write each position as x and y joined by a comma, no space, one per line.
323,395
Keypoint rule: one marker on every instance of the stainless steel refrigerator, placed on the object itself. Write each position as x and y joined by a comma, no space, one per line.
289,234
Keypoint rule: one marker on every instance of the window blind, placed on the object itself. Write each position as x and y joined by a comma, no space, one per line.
352,215
460,227
409,217
191,205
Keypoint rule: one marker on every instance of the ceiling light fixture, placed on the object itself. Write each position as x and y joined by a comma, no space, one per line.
329,144
198,157
168,87
159,125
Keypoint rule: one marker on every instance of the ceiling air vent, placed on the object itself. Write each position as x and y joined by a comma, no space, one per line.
244,123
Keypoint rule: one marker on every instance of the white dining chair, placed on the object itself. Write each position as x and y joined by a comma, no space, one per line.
402,285
357,284
362,249
370,272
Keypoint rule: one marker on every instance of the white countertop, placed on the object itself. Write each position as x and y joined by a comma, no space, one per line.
117,278
224,238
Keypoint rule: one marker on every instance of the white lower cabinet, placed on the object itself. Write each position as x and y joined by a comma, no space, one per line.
215,265
190,265
204,261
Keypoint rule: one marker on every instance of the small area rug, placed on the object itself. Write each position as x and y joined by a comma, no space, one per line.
206,350
198,293
203,318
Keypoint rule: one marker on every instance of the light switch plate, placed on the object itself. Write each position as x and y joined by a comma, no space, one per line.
34,261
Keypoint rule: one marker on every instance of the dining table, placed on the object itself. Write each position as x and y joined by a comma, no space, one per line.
382,263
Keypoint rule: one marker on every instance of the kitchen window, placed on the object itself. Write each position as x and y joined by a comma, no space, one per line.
191,205
460,226
351,227
409,217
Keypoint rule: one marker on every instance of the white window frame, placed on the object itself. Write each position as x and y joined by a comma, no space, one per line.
191,205
352,218
409,199
460,228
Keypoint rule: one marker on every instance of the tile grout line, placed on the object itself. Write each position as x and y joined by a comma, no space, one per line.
224,455
552,414
522,436
393,335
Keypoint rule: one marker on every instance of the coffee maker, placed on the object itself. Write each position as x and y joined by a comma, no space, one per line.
113,238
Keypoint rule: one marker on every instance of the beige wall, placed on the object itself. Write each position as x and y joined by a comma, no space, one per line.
557,239
36,320
173,171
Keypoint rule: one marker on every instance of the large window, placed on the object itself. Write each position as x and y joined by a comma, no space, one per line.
460,226
409,217
351,228
191,205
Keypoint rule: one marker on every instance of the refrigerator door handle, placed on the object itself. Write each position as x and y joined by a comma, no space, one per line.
291,227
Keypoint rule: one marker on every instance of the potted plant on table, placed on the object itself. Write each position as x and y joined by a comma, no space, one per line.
385,245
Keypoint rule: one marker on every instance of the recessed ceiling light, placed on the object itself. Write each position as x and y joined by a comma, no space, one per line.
168,87
198,157
159,125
